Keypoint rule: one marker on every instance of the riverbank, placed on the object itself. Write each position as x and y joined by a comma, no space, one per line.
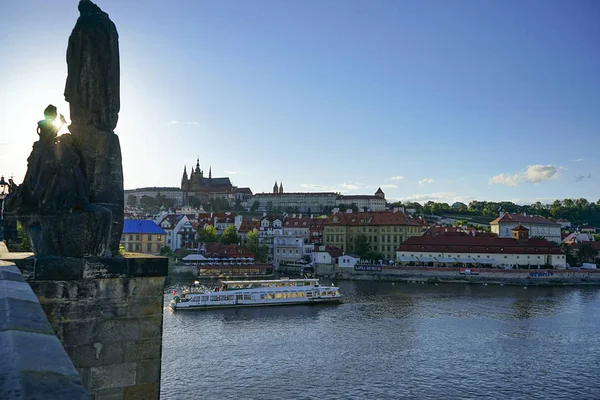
537,277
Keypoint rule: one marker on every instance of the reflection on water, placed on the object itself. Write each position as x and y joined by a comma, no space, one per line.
389,341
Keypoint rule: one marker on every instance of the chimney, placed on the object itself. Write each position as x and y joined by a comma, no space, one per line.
501,214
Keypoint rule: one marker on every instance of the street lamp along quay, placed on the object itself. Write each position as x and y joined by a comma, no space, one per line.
3,193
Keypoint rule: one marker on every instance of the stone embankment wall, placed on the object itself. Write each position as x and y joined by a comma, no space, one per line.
486,275
34,364
107,313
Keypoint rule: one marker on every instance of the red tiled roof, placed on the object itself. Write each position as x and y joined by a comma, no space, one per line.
523,219
464,243
297,222
520,228
227,250
373,219
248,225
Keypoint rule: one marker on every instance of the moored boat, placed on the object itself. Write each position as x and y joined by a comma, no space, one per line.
232,294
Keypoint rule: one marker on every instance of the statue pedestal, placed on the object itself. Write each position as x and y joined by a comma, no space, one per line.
107,313
73,234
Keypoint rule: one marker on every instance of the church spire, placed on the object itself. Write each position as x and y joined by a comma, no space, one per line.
210,172
275,187
281,187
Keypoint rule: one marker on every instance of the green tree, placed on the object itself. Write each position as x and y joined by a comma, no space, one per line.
343,207
252,239
229,235
353,207
166,251
255,206
132,201
207,235
361,245
25,242
587,253
261,253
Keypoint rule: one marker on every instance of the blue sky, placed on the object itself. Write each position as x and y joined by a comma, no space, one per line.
432,100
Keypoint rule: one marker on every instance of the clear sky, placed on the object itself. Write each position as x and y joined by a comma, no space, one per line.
445,100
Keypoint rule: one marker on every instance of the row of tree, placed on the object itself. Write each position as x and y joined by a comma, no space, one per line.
578,211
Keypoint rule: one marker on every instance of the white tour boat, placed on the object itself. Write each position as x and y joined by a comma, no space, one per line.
283,291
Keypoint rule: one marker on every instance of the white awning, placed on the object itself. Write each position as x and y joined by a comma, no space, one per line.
465,260
407,259
486,261
445,259
427,259
194,257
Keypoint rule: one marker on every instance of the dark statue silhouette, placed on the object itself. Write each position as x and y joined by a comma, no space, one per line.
71,199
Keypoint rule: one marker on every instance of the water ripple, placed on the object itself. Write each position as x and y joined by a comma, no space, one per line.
392,341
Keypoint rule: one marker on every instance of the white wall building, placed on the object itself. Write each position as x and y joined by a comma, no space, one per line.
538,226
348,261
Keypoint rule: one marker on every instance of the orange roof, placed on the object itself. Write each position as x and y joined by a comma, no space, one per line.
520,228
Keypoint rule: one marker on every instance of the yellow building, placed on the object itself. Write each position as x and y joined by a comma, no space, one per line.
142,236
384,231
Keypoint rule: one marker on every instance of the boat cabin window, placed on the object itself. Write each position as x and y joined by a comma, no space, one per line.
278,295
309,294
247,296
294,294
204,298
301,294
271,296
263,296
286,295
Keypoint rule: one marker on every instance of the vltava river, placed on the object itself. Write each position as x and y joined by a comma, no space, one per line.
392,341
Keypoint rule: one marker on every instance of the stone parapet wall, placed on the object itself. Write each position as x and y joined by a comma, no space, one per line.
34,364
107,313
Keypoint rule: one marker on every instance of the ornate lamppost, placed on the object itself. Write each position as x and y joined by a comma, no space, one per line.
3,193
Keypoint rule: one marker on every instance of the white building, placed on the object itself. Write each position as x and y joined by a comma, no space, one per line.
538,226
348,261
287,249
461,248
374,202
174,225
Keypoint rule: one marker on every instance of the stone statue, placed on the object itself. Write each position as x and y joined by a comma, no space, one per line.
92,88
71,200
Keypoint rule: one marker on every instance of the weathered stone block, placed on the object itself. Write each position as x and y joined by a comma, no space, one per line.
117,329
34,385
77,333
148,371
36,353
23,315
97,354
143,350
145,391
112,376
146,306
110,394
151,327
17,290
9,275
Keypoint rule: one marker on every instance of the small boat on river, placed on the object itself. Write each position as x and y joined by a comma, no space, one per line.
233,294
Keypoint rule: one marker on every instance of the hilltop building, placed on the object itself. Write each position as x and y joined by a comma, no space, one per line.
315,202
538,226
209,188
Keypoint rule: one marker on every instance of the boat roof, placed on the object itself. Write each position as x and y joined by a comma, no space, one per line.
270,281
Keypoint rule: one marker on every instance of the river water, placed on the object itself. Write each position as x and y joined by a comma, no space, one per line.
392,341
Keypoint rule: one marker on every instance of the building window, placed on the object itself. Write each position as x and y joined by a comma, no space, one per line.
149,238
137,237
131,237
137,247
149,247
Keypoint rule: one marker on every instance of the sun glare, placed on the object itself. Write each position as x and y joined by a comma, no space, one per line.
62,127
